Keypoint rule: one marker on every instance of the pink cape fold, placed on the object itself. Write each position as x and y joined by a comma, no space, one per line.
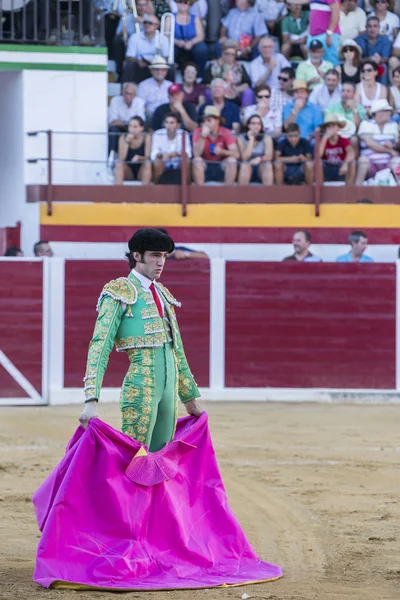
161,521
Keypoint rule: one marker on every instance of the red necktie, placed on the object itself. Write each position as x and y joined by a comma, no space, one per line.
156,300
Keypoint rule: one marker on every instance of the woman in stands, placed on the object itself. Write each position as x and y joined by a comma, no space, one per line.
369,90
394,94
193,91
134,154
256,152
189,37
271,118
237,81
350,70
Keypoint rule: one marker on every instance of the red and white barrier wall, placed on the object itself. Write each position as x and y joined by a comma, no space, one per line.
252,330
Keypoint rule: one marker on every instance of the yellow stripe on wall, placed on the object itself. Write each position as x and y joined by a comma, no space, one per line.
224,215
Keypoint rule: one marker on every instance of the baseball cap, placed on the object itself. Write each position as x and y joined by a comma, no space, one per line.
174,89
315,45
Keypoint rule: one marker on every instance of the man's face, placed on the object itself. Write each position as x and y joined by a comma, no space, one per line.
218,90
242,4
285,81
151,265
347,92
159,74
150,24
316,55
300,243
382,116
360,246
128,94
176,98
212,123
293,138
300,94
331,82
294,9
141,6
266,48
373,28
45,250
350,5
396,79
171,125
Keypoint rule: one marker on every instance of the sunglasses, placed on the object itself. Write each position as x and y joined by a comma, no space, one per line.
349,49
149,23
283,78
263,96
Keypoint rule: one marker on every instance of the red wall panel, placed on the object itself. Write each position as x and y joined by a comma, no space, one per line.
310,325
189,281
21,292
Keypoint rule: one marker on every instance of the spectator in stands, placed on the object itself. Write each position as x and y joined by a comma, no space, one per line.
228,110
183,252
166,150
294,31
394,93
328,93
256,153
142,50
126,28
244,25
300,110
121,110
301,244
358,241
214,149
265,68
314,68
271,117
193,92
394,60
353,20
161,7
389,22
280,97
324,27
176,103
369,90
272,11
14,251
235,76
336,152
189,37
348,108
374,45
43,248
293,158
379,142
350,70
133,154
154,90
199,8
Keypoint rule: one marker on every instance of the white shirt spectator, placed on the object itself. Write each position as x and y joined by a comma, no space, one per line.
258,68
153,93
271,10
388,24
199,8
352,24
120,111
390,133
141,47
161,144
271,121
320,96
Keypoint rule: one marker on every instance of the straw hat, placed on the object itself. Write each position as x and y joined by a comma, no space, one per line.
212,111
333,119
158,62
379,105
349,44
299,84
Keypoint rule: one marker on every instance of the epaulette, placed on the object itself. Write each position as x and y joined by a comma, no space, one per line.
168,296
119,289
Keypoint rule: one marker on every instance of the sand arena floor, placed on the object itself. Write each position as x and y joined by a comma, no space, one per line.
315,487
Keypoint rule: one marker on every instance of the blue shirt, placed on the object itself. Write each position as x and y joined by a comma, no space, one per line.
246,22
308,118
348,258
230,112
382,46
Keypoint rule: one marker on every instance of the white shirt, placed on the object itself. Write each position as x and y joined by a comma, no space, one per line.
271,121
322,98
120,111
146,283
388,24
258,69
161,143
153,93
390,133
271,10
352,24
141,47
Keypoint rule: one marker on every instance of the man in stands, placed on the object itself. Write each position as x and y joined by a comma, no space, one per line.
244,25
353,20
183,252
187,110
293,158
154,91
314,68
228,110
325,94
14,251
375,46
121,110
142,50
42,248
265,69
336,152
301,243
294,31
214,149
126,26
301,111
347,107
358,241
280,97
324,27
166,150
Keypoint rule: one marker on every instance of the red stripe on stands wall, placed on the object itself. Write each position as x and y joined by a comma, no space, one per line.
84,280
213,235
303,325
21,294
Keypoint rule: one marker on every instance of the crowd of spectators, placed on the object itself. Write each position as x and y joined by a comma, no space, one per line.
252,103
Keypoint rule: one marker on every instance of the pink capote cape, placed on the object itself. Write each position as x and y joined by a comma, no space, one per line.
114,516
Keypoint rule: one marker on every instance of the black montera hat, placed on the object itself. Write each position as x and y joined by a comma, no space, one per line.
151,239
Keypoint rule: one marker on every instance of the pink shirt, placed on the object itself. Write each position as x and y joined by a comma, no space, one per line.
320,16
